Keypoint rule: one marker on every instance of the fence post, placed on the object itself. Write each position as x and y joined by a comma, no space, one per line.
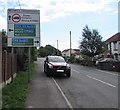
6,68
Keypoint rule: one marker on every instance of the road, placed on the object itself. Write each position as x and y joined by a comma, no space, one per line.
87,88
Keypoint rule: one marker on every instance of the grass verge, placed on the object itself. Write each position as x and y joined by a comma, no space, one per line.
14,95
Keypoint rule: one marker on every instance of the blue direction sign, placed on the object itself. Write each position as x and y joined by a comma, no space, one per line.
22,41
26,30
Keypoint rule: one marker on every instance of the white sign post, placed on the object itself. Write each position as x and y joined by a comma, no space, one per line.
24,30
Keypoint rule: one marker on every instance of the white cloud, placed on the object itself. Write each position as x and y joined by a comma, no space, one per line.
51,9
3,23
65,7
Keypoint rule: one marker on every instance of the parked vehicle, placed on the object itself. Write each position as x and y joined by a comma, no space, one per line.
109,64
56,65
105,60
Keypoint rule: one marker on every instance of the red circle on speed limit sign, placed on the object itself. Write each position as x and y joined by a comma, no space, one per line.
16,18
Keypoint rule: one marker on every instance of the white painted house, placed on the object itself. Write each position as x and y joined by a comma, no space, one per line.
66,53
113,46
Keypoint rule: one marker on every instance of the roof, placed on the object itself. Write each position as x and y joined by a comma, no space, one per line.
65,50
77,50
114,38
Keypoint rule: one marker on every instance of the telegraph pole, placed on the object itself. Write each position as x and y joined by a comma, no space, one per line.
53,50
70,44
57,47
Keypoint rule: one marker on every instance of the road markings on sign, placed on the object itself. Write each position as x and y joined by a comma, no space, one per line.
69,104
100,81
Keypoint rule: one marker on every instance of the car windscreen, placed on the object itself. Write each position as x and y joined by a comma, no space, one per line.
56,59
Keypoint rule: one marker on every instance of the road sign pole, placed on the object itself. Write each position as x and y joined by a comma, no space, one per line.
29,58
12,52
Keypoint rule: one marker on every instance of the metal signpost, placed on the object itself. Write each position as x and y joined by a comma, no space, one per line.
24,30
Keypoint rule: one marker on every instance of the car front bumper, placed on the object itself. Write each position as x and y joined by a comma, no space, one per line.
58,71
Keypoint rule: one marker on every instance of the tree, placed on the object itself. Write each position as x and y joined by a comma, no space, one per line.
48,50
92,43
4,40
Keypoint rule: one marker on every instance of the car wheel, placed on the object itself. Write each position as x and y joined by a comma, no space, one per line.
44,70
68,75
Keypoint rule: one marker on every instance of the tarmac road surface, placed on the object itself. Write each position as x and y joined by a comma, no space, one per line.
86,88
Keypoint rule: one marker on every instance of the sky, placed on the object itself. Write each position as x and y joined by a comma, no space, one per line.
59,17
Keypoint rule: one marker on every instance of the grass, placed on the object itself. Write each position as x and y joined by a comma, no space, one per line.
14,95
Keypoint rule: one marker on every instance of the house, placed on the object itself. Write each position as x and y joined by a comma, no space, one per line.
66,53
113,46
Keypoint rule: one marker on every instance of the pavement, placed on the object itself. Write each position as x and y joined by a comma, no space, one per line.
43,92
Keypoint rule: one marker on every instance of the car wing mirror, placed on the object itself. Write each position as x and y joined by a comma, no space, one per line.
66,61
45,61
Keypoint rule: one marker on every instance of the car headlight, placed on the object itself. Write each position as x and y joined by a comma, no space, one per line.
50,66
68,66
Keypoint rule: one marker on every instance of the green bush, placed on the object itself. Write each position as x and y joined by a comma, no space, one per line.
14,95
85,60
72,58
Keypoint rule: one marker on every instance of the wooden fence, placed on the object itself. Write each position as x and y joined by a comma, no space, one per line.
9,67
0,67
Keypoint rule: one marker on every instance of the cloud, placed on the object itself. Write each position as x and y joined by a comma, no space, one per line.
52,9
3,23
60,8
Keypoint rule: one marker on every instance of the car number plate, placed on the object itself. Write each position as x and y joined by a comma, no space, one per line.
60,70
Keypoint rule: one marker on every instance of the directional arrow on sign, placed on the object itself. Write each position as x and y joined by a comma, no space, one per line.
10,30
37,42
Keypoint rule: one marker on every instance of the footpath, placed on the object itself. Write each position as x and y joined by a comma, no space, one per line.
43,92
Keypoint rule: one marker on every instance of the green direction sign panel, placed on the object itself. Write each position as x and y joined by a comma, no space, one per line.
24,30
22,41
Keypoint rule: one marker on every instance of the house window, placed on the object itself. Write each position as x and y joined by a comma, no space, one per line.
115,46
108,47
64,54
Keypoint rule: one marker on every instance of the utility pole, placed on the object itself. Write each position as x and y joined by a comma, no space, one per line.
70,44
57,47
53,50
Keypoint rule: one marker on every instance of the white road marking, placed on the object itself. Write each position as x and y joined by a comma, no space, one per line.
107,72
70,106
100,81
75,71
30,107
